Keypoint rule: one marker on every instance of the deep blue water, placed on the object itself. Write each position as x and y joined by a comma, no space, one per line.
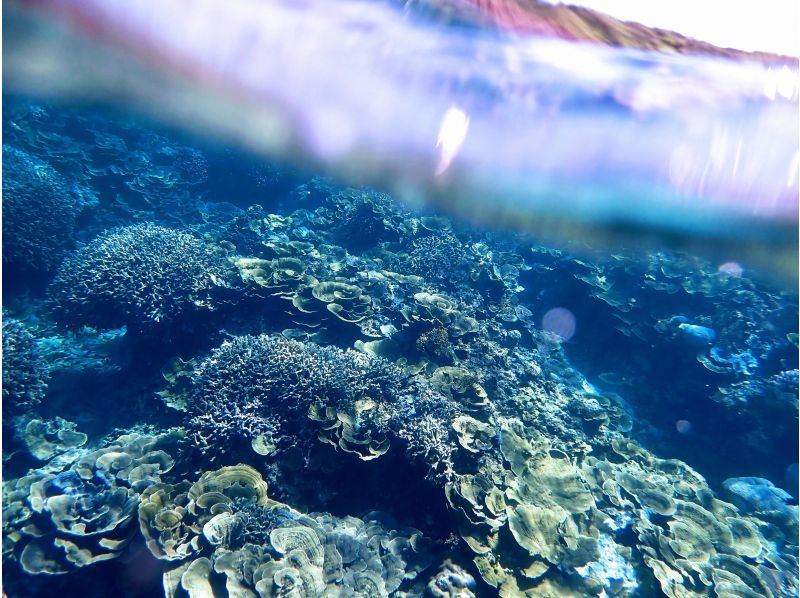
221,370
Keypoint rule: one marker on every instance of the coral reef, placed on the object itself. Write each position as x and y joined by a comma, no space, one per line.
125,172
25,371
84,349
225,526
250,387
629,305
451,581
77,511
40,211
439,258
47,438
373,400
139,276
541,522
363,218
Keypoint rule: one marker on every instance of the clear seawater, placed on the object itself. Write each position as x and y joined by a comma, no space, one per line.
228,376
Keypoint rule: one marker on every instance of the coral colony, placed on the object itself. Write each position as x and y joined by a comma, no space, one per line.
259,383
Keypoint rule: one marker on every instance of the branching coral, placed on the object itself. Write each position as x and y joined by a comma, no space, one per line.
25,372
364,218
439,258
250,385
39,212
139,275
436,343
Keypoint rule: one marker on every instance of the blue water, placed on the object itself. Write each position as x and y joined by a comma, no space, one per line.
225,376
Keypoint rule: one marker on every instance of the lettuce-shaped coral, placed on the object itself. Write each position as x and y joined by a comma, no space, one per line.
139,276
75,513
136,460
319,554
83,507
623,520
47,438
178,520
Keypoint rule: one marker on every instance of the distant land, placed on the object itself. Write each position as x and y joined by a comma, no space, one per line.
580,24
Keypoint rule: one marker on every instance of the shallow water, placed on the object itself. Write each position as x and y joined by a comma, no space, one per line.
224,376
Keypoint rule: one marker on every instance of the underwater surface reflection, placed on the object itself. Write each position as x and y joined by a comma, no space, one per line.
506,130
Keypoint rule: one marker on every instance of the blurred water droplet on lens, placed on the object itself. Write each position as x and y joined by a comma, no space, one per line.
731,268
560,322
683,426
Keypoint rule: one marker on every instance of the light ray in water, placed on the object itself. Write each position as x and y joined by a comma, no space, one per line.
452,133
685,146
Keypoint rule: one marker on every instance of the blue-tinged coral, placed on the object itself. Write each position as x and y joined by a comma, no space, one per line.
257,521
73,502
48,438
456,413
158,175
699,335
436,343
615,572
40,211
624,521
250,385
85,349
765,411
77,509
438,258
363,218
25,371
451,581
756,494
140,276
680,339
223,528
131,173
